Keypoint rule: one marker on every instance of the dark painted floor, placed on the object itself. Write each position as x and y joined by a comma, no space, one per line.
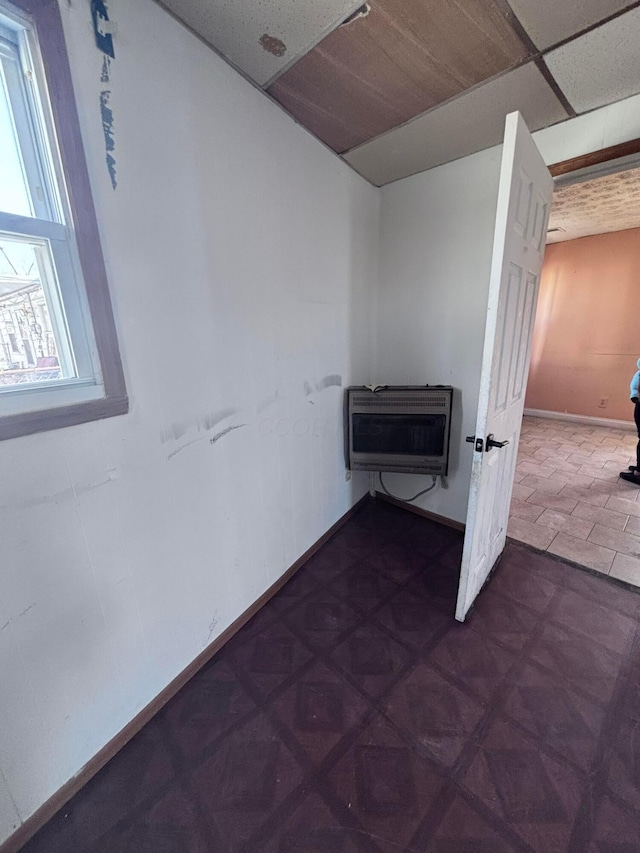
353,714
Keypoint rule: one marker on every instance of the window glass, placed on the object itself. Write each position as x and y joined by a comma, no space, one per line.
14,192
42,313
34,341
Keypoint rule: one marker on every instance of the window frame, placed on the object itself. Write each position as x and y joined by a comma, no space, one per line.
47,22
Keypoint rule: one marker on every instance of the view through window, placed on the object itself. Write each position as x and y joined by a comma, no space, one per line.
57,352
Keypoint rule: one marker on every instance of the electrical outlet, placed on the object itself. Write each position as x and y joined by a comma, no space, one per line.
603,402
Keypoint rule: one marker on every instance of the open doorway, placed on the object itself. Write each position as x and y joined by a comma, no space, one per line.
578,432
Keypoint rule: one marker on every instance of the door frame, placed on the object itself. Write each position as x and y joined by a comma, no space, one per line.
594,164
600,157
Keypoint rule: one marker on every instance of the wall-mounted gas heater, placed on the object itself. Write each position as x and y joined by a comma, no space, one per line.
402,428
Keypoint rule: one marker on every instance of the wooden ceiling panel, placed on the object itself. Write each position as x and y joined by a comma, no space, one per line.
404,57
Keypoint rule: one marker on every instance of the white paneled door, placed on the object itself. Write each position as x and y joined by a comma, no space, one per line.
524,199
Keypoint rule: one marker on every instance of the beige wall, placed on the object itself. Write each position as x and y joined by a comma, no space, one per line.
586,339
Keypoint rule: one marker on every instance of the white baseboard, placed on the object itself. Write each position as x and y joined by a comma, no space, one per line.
581,419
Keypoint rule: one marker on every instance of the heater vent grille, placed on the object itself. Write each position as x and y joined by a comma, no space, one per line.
377,401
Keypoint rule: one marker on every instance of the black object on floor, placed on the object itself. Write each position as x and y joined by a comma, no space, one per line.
354,715
630,477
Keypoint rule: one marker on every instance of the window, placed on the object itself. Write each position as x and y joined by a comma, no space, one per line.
59,360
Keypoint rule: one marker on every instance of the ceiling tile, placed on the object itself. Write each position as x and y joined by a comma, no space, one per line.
467,124
549,21
403,58
261,38
602,66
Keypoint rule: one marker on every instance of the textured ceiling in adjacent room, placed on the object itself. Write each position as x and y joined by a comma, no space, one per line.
609,203
398,86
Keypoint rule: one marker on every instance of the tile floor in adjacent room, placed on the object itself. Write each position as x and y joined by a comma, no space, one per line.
568,499
352,714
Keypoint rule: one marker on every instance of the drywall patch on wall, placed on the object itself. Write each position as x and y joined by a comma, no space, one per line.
201,428
177,431
215,418
333,380
206,423
183,447
224,432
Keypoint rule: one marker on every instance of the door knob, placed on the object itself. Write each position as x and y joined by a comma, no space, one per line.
492,443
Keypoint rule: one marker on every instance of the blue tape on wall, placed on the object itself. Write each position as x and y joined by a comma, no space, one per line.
100,17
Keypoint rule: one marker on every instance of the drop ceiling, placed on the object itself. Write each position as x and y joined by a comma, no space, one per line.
399,86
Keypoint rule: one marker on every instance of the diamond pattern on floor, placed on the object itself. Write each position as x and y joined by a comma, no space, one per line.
352,714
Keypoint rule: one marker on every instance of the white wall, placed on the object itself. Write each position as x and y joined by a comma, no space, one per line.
435,259
128,545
